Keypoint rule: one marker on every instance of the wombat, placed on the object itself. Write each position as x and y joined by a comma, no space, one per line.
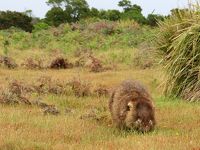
131,107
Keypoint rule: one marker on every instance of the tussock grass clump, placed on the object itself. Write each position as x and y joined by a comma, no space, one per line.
179,42
7,62
80,87
31,63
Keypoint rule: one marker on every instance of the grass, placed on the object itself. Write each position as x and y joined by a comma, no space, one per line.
25,127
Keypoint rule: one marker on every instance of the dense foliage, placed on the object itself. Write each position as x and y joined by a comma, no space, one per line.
96,36
15,19
72,11
179,43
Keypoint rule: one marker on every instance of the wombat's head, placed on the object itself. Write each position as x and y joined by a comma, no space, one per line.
140,115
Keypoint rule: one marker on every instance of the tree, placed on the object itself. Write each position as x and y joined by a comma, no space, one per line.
113,15
153,19
15,19
125,4
74,10
94,12
57,16
132,11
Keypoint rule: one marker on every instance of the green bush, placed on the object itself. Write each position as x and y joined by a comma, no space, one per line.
179,43
15,19
41,26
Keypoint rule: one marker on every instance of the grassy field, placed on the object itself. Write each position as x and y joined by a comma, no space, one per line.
84,122
25,127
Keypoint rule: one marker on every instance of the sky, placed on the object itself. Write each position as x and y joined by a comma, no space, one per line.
40,7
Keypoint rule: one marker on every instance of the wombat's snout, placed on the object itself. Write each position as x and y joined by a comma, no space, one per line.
144,126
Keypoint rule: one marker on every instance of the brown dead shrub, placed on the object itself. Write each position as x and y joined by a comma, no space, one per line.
19,88
80,88
9,98
47,109
91,62
6,97
80,62
96,65
60,63
101,90
31,63
104,27
7,62
143,56
81,52
43,85
46,84
51,110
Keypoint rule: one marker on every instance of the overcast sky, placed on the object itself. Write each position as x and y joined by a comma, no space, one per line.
40,7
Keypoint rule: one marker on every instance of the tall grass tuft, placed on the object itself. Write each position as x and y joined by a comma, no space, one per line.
179,42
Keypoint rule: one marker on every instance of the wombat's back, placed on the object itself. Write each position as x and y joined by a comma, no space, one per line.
127,91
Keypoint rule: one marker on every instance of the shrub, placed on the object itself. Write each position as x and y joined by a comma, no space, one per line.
16,19
41,26
179,43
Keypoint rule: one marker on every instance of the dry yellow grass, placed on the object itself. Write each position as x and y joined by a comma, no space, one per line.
26,128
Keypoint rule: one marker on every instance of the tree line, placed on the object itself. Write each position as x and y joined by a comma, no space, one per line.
69,11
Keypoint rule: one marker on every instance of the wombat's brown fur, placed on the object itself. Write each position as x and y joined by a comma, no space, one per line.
131,107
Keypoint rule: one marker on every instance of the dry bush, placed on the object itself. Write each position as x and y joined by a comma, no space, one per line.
47,109
95,65
80,62
19,88
75,26
60,63
104,27
31,63
82,52
46,84
144,57
42,85
16,90
91,62
51,110
101,90
8,97
7,62
80,88
14,95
